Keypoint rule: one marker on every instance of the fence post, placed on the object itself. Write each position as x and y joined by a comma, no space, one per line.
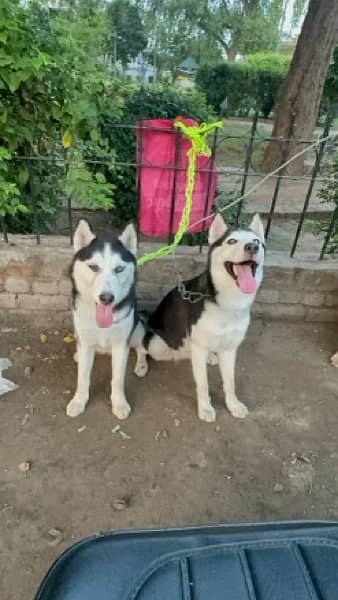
316,167
33,196
139,167
248,157
329,232
4,229
276,190
177,135
69,200
210,173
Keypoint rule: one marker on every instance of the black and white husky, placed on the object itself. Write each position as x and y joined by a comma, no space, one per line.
211,328
103,275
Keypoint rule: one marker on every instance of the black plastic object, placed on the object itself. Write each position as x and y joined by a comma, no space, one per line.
285,561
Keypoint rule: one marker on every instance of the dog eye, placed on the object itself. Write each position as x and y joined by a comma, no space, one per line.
119,269
256,241
94,268
232,241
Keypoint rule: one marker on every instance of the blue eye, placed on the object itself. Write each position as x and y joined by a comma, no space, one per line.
94,268
232,241
119,269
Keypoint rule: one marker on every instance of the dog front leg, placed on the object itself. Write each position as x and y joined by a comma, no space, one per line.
120,406
85,360
227,360
199,358
136,342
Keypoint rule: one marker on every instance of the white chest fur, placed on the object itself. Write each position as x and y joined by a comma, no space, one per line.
220,327
102,340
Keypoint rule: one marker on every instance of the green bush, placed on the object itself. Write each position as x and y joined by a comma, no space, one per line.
143,102
269,61
247,86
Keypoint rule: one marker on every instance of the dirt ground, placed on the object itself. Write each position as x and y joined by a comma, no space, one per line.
167,467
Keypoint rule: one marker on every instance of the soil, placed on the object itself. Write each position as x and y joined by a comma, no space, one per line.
64,479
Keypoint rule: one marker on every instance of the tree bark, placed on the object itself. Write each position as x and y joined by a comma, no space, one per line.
302,90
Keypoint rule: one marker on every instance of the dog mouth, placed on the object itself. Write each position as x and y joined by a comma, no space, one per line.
104,315
244,275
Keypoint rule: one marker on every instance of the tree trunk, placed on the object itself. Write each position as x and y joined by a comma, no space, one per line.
302,90
231,53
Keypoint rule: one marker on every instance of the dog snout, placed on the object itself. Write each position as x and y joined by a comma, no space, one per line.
251,248
106,298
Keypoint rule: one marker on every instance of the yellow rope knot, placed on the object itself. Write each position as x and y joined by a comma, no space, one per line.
197,135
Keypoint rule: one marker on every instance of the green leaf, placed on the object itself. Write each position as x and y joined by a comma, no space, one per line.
3,115
23,176
67,139
15,78
100,178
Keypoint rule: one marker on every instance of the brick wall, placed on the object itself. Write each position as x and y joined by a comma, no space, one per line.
34,283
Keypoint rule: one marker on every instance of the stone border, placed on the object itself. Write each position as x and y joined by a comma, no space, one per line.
34,282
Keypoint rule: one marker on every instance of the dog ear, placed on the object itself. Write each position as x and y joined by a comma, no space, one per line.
83,235
129,239
257,227
217,229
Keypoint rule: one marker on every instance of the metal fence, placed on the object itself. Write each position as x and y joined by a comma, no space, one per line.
234,175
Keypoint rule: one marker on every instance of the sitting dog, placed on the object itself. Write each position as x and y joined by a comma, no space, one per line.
103,275
209,320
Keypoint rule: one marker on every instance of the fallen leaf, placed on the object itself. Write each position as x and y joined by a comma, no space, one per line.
124,435
82,428
24,467
163,433
69,339
120,504
116,429
55,537
25,419
43,338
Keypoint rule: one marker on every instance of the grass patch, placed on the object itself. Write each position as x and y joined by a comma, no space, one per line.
232,144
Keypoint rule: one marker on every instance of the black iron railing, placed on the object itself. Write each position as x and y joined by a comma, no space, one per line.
251,141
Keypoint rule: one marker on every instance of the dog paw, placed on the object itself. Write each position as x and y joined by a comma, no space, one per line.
238,409
213,359
334,360
141,369
207,414
75,408
121,410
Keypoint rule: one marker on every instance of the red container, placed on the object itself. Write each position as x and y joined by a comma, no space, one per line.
162,178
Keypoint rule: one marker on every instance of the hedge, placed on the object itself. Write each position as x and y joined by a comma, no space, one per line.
245,86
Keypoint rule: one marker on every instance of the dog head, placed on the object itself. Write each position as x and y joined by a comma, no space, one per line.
236,257
103,271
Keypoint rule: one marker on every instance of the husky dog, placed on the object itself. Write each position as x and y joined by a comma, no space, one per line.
211,326
103,275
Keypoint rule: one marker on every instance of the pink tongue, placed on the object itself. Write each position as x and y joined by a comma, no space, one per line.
245,279
104,315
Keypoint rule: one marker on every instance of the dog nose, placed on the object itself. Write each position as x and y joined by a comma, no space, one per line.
106,298
251,248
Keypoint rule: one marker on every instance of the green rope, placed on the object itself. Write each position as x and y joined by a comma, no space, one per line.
197,135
